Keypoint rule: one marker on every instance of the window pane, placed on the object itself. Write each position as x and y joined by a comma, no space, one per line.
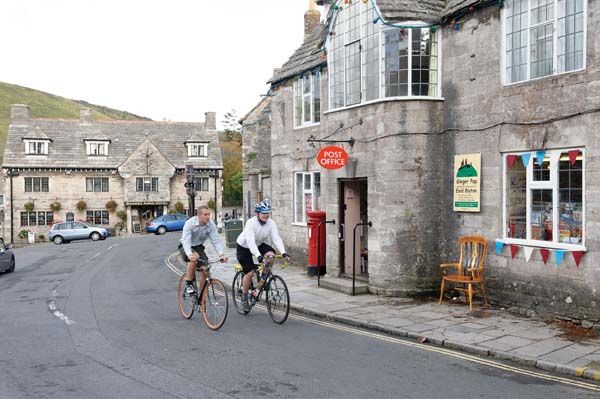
105,184
45,184
41,218
570,35
307,179
516,200
36,185
396,62
89,217
516,40
139,184
298,102
541,215
541,172
298,198
97,184
352,73
105,217
70,217
28,185
32,218
306,105
155,184
570,204
97,217
308,201
316,97
89,184
49,217
205,184
317,196
542,50
24,219
147,184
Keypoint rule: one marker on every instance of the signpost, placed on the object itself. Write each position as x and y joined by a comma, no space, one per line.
332,157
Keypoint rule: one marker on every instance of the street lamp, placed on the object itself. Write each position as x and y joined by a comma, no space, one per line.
215,173
12,173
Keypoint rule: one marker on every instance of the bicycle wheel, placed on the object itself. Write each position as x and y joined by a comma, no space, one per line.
236,293
278,300
214,304
187,303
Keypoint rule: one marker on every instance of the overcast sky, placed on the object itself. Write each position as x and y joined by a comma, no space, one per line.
173,59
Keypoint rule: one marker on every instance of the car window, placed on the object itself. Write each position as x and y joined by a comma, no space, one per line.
182,217
170,218
79,226
65,226
2,247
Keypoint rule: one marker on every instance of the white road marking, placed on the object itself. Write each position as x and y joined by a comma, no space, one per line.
56,312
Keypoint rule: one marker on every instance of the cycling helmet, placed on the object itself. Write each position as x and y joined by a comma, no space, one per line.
262,207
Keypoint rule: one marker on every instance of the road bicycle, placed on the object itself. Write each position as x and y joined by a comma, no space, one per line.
211,300
276,294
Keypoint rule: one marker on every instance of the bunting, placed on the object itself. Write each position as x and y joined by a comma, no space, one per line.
545,253
528,251
499,246
539,155
511,160
513,250
525,158
560,254
573,156
577,255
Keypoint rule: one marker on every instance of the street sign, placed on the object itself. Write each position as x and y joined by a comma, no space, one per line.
332,157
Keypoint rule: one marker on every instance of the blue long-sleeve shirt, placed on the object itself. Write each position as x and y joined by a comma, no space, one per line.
195,234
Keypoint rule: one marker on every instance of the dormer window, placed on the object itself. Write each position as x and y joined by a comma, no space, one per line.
36,147
97,148
197,149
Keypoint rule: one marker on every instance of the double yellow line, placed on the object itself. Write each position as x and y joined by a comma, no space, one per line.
442,351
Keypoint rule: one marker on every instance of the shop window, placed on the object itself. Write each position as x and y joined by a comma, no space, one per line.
307,194
544,202
97,217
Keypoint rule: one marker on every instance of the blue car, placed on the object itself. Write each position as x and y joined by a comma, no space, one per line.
165,223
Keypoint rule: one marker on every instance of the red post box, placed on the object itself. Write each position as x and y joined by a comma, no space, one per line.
316,243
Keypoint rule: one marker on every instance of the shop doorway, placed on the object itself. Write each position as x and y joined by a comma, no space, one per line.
353,206
142,215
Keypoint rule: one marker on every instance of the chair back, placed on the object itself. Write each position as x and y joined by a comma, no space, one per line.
473,250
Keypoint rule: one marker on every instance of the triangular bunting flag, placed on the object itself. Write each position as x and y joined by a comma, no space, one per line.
539,155
499,246
525,159
560,254
577,255
528,251
544,253
513,250
511,160
573,156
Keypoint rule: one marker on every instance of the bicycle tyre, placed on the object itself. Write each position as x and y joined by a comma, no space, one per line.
215,304
278,299
187,303
236,292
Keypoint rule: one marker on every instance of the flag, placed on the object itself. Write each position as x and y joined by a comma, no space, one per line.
577,255
513,250
499,246
540,156
511,160
525,159
573,156
560,254
544,253
528,251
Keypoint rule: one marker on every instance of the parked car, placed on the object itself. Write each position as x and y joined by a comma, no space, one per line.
69,231
165,223
7,258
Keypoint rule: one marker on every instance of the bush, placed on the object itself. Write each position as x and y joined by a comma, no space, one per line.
179,207
24,234
55,206
111,206
81,206
28,206
42,237
212,204
122,215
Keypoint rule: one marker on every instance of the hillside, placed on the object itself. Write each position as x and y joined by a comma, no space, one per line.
45,105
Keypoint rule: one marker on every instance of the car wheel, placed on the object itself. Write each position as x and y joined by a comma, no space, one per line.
12,265
95,236
58,240
162,230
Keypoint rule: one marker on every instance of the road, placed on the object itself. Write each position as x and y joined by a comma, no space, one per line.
100,320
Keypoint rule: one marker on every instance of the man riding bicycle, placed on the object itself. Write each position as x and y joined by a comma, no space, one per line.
252,241
195,232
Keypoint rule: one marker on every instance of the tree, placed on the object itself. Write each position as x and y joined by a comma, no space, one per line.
231,151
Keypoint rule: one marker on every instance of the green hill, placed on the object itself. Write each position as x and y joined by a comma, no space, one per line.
45,105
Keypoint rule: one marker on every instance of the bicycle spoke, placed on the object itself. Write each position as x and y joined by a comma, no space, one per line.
187,303
278,300
214,304
236,288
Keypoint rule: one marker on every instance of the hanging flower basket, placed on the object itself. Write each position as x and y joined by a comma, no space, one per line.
55,206
122,215
111,206
81,206
28,206
179,207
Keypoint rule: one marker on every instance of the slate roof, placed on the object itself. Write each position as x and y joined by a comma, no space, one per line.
422,10
308,56
453,6
68,150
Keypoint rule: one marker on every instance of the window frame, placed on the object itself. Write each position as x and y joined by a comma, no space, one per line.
89,144
199,183
554,185
555,22
37,142
40,185
102,180
97,217
197,146
315,76
312,191
153,184
34,215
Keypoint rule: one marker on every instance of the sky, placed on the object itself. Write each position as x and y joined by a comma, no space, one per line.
163,59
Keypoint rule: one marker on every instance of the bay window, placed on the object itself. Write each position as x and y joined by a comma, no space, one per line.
544,202
543,38
307,194
368,61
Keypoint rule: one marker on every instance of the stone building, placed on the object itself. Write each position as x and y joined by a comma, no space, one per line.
256,153
81,165
405,87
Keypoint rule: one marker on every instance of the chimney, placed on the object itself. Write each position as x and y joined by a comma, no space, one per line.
85,116
210,120
311,18
19,115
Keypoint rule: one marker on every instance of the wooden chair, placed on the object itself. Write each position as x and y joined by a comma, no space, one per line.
467,273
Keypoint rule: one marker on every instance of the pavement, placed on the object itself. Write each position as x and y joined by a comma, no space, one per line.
486,331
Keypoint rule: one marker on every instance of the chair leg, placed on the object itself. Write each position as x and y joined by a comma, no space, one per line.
471,297
484,295
442,291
